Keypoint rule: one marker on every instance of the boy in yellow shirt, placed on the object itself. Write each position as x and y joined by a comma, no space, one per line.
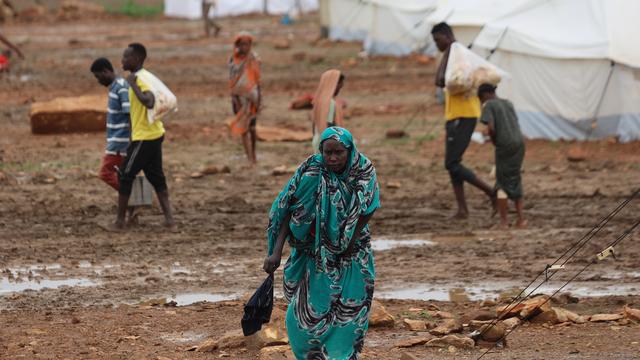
145,149
461,113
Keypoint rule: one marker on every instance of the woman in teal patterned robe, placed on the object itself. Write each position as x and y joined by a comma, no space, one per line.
323,213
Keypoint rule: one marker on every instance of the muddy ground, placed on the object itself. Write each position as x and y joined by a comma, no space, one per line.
53,208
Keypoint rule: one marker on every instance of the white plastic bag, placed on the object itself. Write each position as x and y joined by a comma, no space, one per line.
164,100
466,71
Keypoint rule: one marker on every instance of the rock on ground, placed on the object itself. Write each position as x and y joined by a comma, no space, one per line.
447,327
379,316
460,342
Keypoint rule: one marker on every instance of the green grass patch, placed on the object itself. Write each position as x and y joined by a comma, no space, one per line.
133,9
33,167
425,138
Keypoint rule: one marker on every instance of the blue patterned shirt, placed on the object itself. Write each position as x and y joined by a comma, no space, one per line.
118,122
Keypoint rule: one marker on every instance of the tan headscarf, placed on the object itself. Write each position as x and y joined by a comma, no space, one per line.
322,100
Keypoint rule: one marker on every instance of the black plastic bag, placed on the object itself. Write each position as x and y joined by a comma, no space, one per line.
257,310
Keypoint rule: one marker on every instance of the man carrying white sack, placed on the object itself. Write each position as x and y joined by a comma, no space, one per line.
145,150
461,112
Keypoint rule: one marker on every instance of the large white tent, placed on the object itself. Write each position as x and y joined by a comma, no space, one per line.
575,69
467,17
192,9
385,26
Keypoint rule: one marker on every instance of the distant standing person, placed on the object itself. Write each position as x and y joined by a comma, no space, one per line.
118,123
207,5
461,115
327,112
145,150
246,97
500,117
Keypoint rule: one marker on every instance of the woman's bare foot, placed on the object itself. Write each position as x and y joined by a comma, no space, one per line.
115,227
500,226
133,218
170,225
494,203
522,224
460,216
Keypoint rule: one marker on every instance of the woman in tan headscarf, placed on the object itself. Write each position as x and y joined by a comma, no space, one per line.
244,83
326,111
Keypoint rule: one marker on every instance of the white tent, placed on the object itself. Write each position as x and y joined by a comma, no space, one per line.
385,26
575,69
467,17
192,9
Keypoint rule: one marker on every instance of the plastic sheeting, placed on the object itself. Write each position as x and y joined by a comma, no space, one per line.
386,27
575,74
569,29
467,17
192,9
572,99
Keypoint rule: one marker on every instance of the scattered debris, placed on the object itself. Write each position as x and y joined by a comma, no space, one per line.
396,134
210,170
461,342
230,340
282,44
388,109
458,295
488,303
303,102
32,13
565,315
316,59
153,302
606,317
410,342
299,56
526,309
379,316
576,153
482,315
547,316
282,352
493,333
631,314
350,62
407,356
415,325
77,9
424,59
394,185
511,323
275,134
448,326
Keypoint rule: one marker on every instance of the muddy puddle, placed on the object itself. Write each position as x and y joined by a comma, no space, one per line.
192,298
384,244
491,290
8,286
38,277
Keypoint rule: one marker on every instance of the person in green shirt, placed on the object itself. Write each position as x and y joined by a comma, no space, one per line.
500,117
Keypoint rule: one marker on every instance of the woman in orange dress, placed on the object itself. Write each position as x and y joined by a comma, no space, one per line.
244,84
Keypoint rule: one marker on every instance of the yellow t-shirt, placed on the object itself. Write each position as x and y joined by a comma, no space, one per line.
461,106
140,127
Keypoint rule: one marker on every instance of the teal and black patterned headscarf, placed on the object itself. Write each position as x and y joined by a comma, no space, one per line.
325,203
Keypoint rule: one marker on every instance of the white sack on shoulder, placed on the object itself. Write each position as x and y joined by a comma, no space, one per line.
165,101
466,71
